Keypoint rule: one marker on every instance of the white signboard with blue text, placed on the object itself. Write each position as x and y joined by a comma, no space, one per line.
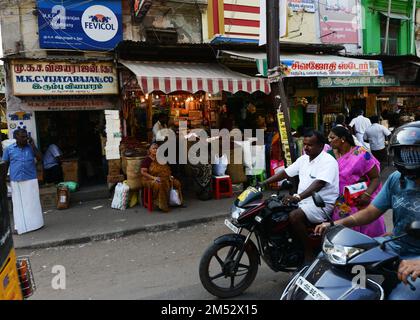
79,25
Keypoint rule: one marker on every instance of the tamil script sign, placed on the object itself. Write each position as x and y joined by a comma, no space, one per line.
339,82
35,78
67,103
305,5
326,68
88,25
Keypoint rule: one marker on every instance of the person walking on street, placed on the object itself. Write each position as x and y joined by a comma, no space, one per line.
376,135
359,125
20,157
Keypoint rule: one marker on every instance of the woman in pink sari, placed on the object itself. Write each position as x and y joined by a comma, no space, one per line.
356,165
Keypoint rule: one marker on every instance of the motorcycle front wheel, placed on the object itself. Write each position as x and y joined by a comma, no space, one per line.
218,273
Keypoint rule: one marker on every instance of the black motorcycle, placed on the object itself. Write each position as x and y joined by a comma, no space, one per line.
351,266
230,264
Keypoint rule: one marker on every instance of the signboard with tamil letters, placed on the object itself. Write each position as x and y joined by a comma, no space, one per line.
343,82
305,5
38,78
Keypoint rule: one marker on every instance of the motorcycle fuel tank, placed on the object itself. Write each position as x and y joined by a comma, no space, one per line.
249,195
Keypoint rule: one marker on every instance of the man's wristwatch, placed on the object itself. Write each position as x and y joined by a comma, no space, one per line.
297,196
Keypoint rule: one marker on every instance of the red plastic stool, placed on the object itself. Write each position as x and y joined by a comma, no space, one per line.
222,186
148,199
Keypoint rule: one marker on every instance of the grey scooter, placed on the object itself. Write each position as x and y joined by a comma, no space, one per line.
351,266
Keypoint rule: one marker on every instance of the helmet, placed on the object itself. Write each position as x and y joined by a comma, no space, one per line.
404,146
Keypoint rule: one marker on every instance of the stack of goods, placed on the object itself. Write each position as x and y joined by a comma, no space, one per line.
112,148
114,171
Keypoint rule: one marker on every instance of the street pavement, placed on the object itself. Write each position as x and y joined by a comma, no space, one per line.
96,220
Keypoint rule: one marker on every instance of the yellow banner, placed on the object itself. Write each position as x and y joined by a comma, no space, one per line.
283,138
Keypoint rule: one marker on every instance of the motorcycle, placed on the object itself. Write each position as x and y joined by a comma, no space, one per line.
351,266
230,264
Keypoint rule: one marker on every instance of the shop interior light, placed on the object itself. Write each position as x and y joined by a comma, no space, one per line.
147,96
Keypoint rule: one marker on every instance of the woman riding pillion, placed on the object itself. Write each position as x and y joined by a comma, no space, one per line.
401,193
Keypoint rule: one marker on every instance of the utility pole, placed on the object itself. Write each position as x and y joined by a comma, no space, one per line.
273,63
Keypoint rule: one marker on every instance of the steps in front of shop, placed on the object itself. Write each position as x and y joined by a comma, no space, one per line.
90,193
49,200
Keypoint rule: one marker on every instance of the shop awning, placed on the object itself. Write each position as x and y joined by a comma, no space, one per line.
395,15
192,77
312,65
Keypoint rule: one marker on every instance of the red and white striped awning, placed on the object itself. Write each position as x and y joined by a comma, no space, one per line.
192,77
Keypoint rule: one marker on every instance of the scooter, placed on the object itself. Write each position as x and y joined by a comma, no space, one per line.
351,266
230,264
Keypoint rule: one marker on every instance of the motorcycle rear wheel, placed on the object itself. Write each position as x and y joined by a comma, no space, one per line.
225,267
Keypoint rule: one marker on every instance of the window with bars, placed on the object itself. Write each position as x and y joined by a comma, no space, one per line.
393,31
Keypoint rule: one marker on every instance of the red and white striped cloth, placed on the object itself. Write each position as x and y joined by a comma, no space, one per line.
192,77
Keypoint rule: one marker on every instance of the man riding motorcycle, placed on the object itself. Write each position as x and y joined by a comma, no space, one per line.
401,193
318,172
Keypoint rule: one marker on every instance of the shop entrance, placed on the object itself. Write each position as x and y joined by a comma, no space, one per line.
80,136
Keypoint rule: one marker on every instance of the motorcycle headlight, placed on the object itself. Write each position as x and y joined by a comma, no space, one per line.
337,254
236,212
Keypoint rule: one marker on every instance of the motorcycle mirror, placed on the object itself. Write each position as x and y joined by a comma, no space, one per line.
413,229
319,202
286,185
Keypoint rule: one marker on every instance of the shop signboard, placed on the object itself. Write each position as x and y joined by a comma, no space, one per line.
339,21
79,25
344,82
66,103
305,5
40,78
328,67
408,90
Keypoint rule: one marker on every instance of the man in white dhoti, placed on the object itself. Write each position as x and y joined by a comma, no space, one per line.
20,157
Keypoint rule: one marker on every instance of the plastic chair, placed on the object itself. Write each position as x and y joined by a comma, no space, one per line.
148,199
222,186
258,176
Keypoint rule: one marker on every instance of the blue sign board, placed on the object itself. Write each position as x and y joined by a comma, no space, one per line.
79,25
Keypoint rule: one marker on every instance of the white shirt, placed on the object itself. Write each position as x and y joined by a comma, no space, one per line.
376,135
360,124
51,155
157,136
325,168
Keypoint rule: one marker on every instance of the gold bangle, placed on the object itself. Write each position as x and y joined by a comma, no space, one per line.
368,194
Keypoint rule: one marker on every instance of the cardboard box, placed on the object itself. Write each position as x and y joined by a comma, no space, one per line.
70,170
